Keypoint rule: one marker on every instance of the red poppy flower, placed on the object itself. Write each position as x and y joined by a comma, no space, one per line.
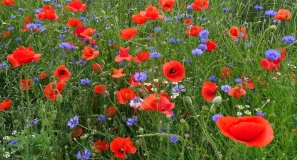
52,91
121,146
100,89
111,111
43,75
124,55
88,32
142,56
250,130
283,15
25,84
237,92
5,104
8,2
269,65
62,73
5,34
236,32
174,71
247,84
78,31
97,67
167,5
100,146
209,91
48,13
194,30
158,103
28,19
124,95
200,5
211,45
225,72
73,22
118,73
128,33
89,53
76,132
76,6
188,21
151,13
133,81
22,55
138,18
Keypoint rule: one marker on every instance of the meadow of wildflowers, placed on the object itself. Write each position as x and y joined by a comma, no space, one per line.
160,79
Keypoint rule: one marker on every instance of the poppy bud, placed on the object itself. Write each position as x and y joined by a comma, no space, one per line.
140,130
138,142
213,109
217,100
188,100
272,27
59,98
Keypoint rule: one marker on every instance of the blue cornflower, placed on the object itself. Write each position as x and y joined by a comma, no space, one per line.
270,13
46,0
172,40
203,40
84,154
272,54
131,121
18,39
203,34
73,122
178,88
135,102
167,19
197,52
212,78
140,76
216,117
122,64
189,15
155,55
85,81
62,36
101,118
260,114
226,88
202,46
32,122
238,80
38,10
258,7
13,142
158,29
225,10
3,65
35,79
10,28
12,16
152,48
174,138
189,7
288,39
111,41
21,9
64,30
178,40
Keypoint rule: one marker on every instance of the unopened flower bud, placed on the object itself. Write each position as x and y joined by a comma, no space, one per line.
188,100
272,27
217,100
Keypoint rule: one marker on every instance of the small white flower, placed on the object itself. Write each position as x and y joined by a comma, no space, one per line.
154,89
7,138
174,82
156,80
174,95
258,110
240,106
247,112
247,106
239,114
6,154
14,132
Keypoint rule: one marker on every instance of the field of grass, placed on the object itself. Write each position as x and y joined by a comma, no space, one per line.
168,79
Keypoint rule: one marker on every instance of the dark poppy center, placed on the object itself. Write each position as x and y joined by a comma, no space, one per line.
62,72
121,150
171,71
